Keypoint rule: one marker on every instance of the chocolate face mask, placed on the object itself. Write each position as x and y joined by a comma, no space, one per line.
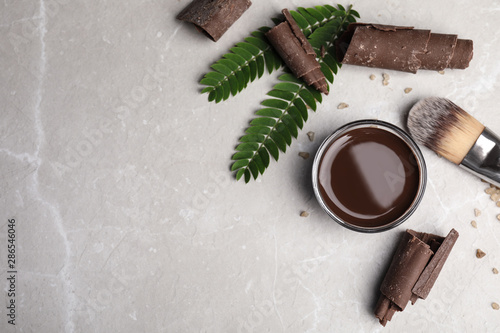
369,176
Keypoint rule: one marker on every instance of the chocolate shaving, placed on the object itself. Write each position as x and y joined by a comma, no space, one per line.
402,48
213,17
293,47
414,269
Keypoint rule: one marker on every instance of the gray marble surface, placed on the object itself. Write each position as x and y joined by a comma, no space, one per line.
116,171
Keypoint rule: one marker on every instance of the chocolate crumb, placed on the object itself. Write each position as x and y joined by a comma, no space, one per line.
310,135
473,224
386,78
498,217
495,306
477,212
494,270
342,106
441,72
304,214
304,155
372,77
489,190
480,254
408,90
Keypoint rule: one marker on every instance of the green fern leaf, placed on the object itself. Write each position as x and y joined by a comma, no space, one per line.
284,114
272,131
260,66
240,173
272,148
264,156
327,72
263,121
301,106
269,112
252,166
247,61
253,50
308,98
311,19
275,103
302,22
296,116
285,86
323,10
286,95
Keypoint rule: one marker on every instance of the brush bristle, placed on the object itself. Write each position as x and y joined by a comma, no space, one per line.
444,127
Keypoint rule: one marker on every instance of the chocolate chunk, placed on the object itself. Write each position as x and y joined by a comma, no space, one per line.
213,17
431,272
414,269
402,48
407,264
293,47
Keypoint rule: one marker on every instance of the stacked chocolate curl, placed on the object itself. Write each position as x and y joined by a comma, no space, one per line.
402,48
415,267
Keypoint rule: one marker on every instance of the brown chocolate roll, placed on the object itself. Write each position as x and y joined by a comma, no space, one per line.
402,48
293,47
213,17
408,262
414,269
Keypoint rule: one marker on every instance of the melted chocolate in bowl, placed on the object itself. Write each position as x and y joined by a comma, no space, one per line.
369,177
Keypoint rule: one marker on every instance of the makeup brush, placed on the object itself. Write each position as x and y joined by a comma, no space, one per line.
451,132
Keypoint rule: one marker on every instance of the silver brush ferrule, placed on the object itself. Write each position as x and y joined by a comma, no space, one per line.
483,159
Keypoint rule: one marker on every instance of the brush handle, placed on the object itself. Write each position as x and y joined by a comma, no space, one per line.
483,159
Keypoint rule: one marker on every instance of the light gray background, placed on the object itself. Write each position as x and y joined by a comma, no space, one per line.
116,170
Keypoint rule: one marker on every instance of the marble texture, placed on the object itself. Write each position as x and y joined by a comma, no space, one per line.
128,219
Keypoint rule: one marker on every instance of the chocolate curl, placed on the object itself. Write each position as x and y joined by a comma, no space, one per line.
429,276
402,48
414,269
293,47
213,17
